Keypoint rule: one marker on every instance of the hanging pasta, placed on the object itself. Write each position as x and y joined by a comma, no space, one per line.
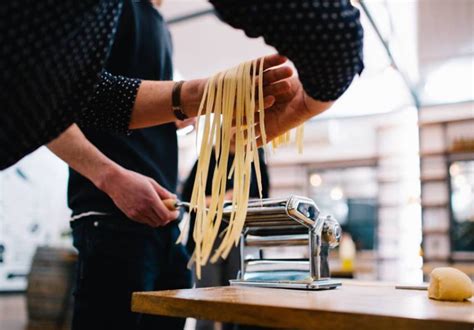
230,99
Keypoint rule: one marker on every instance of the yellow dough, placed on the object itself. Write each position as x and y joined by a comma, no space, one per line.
450,284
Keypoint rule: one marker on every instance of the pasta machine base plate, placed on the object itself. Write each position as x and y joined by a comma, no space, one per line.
323,284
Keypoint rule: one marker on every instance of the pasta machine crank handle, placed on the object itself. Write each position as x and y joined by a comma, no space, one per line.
174,204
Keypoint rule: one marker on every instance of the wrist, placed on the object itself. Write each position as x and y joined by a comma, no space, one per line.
191,95
106,175
314,107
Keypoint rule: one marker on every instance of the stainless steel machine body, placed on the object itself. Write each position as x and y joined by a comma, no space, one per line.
293,221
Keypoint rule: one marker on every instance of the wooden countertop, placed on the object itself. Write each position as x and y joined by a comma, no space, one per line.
354,305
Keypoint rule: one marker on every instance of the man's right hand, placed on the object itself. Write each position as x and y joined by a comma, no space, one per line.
138,196
290,109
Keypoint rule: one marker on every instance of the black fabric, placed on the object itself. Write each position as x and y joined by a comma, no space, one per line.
52,56
142,49
118,257
324,38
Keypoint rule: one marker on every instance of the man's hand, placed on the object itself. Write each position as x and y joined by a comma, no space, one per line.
286,103
138,196
291,108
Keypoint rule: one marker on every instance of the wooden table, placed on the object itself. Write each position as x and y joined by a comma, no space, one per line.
352,306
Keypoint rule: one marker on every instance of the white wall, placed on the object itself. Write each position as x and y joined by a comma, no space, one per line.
33,212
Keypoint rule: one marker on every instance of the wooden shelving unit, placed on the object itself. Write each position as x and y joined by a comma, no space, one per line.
436,155
435,205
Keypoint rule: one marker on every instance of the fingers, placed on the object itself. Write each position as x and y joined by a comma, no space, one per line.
271,119
164,215
278,88
277,74
144,216
170,204
284,97
157,214
162,192
268,101
272,60
150,220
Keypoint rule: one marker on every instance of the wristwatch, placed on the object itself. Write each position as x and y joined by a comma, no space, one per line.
176,101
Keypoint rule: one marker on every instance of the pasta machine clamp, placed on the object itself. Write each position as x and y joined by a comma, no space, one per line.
286,222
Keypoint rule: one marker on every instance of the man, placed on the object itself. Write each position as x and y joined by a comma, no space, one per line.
130,176
119,183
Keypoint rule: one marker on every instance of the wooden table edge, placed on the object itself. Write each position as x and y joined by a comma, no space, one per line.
296,318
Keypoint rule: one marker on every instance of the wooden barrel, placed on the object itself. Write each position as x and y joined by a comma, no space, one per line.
49,292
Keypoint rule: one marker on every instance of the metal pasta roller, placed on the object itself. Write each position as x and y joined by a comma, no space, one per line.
293,221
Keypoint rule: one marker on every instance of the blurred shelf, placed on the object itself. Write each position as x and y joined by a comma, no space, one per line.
460,256
389,180
443,122
435,205
465,267
433,178
449,152
432,153
468,155
436,231
428,259
321,165
443,148
396,155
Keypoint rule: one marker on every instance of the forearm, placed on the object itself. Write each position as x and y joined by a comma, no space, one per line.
153,102
137,196
81,155
120,104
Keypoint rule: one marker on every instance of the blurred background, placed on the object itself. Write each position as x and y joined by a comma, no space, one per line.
393,160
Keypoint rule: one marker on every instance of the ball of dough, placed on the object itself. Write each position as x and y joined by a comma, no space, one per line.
451,284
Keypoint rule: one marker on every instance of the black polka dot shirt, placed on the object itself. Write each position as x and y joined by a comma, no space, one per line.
323,38
52,55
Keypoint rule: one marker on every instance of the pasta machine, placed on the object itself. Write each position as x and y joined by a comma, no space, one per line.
286,222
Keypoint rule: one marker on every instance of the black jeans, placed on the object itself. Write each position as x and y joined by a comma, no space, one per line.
117,257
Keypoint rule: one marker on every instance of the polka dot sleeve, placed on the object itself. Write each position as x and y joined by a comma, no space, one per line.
111,104
323,38
52,53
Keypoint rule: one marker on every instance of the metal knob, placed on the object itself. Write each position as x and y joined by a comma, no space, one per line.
331,231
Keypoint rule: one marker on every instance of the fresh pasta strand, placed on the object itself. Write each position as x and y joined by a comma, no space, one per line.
231,98
285,139
299,138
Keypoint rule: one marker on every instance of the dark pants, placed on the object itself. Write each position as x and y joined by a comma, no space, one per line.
117,257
